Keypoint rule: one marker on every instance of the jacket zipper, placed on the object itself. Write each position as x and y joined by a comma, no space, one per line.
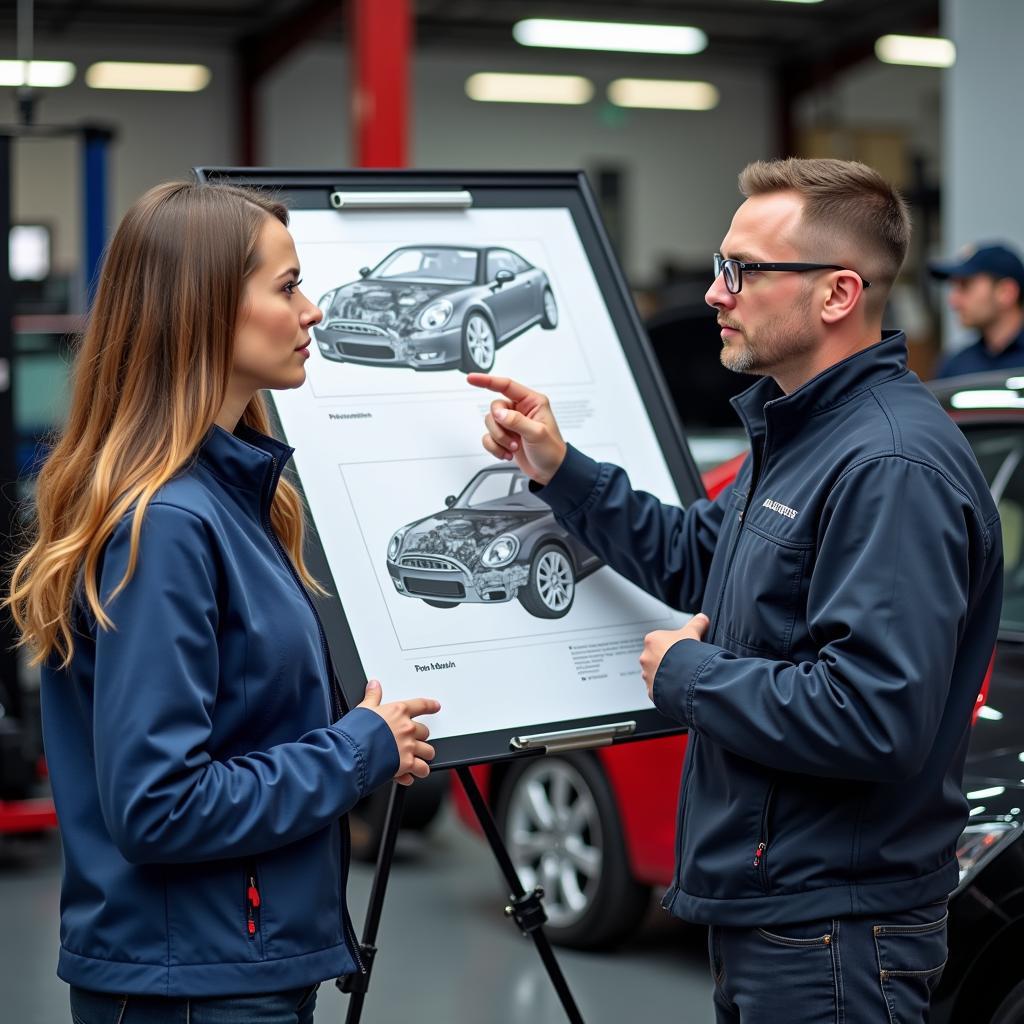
350,932
762,846
337,704
691,752
252,903
338,707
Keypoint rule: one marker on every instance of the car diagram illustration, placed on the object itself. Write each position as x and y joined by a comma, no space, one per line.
435,307
495,542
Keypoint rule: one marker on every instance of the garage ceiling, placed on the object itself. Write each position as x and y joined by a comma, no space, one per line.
761,31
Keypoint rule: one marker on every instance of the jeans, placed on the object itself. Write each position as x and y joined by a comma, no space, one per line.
880,969
292,1007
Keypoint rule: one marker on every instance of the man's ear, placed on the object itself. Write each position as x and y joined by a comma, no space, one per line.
1007,292
845,288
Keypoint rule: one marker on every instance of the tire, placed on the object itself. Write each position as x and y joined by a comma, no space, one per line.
1011,1009
440,604
478,344
551,586
560,824
549,316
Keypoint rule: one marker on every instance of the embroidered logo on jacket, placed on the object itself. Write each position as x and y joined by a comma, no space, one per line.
777,506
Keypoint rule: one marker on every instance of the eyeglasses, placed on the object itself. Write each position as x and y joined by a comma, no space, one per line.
732,270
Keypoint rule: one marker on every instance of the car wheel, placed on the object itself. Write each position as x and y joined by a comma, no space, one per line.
440,604
1011,1009
478,344
549,318
551,585
560,824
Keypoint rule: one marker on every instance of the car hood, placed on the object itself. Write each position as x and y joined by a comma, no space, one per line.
462,534
397,297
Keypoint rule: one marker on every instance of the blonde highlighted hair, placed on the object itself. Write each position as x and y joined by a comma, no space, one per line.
150,378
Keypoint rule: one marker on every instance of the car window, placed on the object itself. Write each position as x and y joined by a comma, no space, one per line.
1000,453
499,259
439,266
518,263
486,488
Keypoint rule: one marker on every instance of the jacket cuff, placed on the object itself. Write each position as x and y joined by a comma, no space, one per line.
676,680
374,745
574,482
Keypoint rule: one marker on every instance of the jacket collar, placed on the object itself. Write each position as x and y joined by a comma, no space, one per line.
246,460
764,403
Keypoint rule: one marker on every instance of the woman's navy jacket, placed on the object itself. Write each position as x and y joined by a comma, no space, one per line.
198,763
853,579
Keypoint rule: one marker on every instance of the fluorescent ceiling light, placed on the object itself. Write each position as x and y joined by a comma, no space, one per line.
41,74
609,35
663,94
508,88
112,74
920,51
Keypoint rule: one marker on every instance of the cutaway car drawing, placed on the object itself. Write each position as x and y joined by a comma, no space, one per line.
435,307
494,542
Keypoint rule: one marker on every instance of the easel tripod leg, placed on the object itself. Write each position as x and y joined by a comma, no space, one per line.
525,907
357,984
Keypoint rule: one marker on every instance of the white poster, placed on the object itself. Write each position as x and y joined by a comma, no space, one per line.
456,581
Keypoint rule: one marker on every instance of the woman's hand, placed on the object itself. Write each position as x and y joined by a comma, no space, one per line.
414,752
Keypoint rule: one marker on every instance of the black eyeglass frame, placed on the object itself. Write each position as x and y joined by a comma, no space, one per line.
795,268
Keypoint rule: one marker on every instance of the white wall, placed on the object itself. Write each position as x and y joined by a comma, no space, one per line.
681,166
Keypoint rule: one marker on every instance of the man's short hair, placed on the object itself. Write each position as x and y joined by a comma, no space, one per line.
850,213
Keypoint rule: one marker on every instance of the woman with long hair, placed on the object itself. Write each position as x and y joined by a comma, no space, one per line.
199,753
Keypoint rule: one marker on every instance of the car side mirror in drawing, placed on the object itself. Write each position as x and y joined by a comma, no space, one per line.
364,271
503,277
450,500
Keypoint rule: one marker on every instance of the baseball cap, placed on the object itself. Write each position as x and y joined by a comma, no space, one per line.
993,259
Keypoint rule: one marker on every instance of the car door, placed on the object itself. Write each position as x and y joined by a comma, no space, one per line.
508,302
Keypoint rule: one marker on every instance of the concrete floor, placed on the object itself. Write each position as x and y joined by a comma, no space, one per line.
446,952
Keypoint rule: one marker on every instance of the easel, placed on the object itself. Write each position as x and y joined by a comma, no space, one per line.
525,908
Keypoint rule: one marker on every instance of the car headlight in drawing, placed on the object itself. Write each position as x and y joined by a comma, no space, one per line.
395,544
435,307
436,315
495,542
501,551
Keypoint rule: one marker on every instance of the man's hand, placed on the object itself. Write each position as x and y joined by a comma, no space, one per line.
521,428
414,752
656,646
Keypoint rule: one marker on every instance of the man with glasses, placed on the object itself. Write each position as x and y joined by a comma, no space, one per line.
848,585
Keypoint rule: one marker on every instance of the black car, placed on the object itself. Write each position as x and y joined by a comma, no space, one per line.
494,542
435,307
984,977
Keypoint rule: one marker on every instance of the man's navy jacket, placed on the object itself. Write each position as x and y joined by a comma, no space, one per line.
853,579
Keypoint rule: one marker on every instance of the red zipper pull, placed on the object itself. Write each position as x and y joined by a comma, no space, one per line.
253,893
758,854
252,926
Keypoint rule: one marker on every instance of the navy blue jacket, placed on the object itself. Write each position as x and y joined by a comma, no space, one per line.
196,753
976,358
853,579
